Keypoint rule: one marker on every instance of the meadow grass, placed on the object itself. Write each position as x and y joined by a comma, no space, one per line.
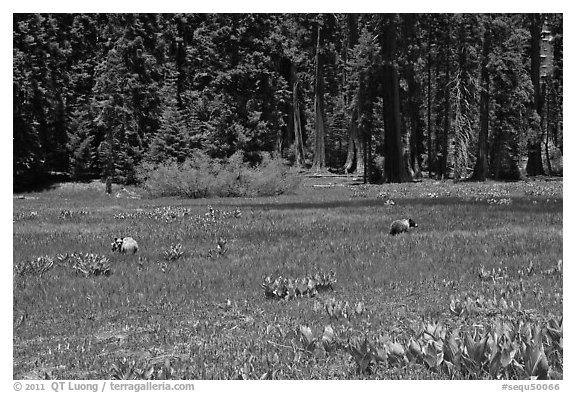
207,314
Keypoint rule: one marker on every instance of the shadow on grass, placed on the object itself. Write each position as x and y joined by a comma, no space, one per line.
542,205
40,182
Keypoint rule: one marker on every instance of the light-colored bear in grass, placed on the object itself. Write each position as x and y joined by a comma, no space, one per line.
400,226
125,245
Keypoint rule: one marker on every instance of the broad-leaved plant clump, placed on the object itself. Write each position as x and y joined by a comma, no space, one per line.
87,264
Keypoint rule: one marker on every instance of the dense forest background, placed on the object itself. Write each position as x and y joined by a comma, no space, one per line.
391,97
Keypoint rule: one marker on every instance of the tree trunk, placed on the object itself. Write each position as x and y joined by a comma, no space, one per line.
111,159
319,147
481,168
296,120
360,131
108,185
534,165
110,164
365,157
547,125
350,152
430,153
505,156
446,129
355,148
416,122
394,169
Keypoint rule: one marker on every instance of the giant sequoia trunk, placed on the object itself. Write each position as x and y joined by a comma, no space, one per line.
416,135
296,120
319,146
416,125
547,141
534,165
443,164
394,168
352,143
355,146
481,167
504,156
355,153
429,97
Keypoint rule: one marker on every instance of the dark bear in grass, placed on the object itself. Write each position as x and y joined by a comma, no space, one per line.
400,226
125,245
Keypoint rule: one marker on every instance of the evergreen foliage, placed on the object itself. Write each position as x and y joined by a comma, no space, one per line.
101,95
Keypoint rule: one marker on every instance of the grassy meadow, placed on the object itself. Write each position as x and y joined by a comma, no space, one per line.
482,264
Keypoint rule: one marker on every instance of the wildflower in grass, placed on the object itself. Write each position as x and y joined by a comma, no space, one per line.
288,288
174,252
143,263
37,266
494,274
125,370
65,214
456,307
163,266
359,194
25,216
227,305
337,309
211,214
219,250
556,270
86,264
382,195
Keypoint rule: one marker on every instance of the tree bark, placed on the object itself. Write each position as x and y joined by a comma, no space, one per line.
446,129
481,168
534,165
429,66
350,152
355,147
394,169
110,164
296,120
319,146
547,125
355,152
416,122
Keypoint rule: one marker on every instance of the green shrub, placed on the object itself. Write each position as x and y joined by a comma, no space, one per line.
200,176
